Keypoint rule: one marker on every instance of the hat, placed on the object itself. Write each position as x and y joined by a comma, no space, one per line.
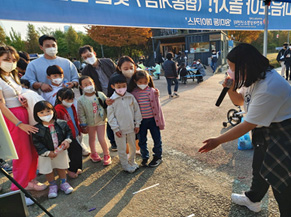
45,37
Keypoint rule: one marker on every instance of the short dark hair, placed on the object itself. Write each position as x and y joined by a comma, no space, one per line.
169,56
24,55
118,79
250,65
54,69
46,37
25,82
40,106
85,48
22,63
64,93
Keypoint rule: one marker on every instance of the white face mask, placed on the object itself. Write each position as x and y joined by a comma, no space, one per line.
142,86
46,118
121,91
8,66
51,51
231,74
89,89
91,60
67,104
128,73
57,80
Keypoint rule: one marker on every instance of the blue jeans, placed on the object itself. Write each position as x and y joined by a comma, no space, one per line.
150,124
169,81
213,66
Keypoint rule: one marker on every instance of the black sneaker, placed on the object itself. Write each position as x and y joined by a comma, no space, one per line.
144,162
155,162
113,147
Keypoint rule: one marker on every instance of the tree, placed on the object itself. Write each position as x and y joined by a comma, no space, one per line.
121,37
73,42
32,45
244,36
44,30
15,40
62,43
2,36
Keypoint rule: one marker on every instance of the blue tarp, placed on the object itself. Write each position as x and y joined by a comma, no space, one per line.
181,14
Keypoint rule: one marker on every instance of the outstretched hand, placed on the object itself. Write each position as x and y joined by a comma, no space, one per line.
210,144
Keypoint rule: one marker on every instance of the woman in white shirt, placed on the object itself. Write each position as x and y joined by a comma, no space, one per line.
266,97
12,105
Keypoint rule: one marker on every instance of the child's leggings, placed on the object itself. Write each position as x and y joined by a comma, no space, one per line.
75,155
24,169
121,148
100,131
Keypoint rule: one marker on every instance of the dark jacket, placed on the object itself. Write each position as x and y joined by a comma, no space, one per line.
107,66
42,140
287,57
183,72
280,56
170,69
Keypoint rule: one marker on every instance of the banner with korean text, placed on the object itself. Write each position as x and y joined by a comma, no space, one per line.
181,14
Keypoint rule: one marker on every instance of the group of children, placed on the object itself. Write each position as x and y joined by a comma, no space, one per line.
60,125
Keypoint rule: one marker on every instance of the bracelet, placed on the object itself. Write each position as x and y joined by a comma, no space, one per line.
20,122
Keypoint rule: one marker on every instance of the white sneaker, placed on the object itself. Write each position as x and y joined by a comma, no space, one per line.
243,200
130,169
28,201
85,151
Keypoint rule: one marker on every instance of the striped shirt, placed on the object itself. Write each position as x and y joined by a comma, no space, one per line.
143,100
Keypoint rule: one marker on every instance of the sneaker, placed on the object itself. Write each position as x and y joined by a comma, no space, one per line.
155,162
85,151
144,162
28,201
176,95
107,160
130,169
113,147
53,191
243,200
171,96
7,167
66,187
95,157
72,174
34,185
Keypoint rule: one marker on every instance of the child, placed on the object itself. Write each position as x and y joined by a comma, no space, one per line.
152,116
56,75
92,116
52,135
66,111
182,71
124,118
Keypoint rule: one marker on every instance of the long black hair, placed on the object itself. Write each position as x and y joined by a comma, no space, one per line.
64,93
250,65
40,106
122,60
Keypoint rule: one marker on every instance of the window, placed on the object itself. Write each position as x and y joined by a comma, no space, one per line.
199,47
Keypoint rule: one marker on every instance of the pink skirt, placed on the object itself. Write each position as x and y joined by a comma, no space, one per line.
24,169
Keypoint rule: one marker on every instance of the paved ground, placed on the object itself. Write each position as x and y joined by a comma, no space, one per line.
187,183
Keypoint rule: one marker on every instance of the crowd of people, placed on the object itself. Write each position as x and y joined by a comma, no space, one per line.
37,100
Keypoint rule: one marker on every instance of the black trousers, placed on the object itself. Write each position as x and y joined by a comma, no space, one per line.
75,155
259,186
288,66
110,135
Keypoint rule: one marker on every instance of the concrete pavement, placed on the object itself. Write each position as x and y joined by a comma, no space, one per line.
186,183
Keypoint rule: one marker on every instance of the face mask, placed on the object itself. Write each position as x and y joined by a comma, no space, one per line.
121,91
8,66
142,86
91,60
46,118
89,89
67,104
231,74
128,73
57,80
51,51
197,63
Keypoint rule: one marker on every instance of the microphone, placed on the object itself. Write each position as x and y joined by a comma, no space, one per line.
223,92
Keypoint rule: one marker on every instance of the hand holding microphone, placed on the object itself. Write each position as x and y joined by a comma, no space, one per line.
228,83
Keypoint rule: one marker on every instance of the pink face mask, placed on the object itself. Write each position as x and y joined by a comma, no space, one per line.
231,74
121,91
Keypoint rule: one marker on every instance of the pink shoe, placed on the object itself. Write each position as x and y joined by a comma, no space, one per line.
95,157
34,185
72,174
107,160
66,187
